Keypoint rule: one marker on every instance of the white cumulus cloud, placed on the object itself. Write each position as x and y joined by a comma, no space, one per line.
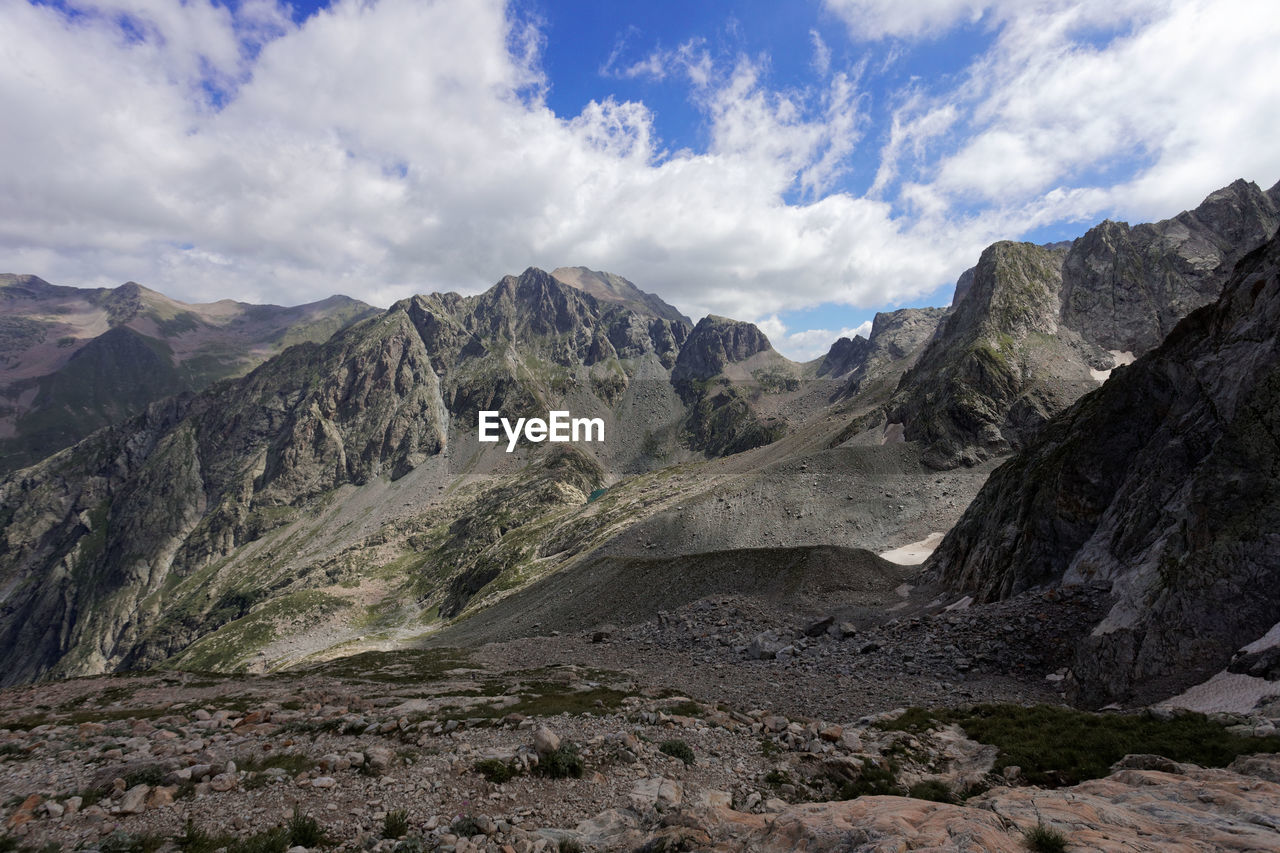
385,148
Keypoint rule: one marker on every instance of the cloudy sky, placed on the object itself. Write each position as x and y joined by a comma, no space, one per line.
799,164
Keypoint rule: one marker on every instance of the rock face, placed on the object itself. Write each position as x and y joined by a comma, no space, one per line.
607,287
1160,485
845,355
1126,288
722,419
1000,363
129,547
73,360
1029,323
715,343
896,337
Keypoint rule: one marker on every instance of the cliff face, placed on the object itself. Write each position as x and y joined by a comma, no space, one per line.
1161,485
896,338
1029,323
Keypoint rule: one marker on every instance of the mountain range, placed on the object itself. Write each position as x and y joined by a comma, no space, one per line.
290,486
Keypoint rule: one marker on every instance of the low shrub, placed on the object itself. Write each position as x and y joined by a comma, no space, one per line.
1044,839
494,771
677,749
565,762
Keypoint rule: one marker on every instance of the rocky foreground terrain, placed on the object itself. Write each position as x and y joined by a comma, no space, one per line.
443,750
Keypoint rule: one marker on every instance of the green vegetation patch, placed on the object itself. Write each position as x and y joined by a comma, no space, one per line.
550,700
402,666
292,763
494,771
1061,746
933,790
1044,839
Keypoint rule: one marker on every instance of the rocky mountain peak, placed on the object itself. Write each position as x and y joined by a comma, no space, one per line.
607,287
981,365
1030,326
1125,288
845,355
716,342
896,338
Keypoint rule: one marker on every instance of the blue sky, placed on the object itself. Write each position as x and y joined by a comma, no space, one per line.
801,165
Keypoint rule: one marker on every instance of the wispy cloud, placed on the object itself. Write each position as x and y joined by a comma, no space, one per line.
690,60
821,61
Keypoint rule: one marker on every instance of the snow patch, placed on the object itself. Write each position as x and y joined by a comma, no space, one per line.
1118,358
1269,640
915,553
1227,692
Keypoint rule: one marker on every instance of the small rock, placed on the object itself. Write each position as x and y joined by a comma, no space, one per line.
379,758
545,741
223,782
656,791
324,782
818,628
160,796
134,800
716,799
765,646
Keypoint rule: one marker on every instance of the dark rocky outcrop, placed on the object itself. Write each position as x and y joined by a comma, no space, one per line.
1162,485
845,355
999,364
715,343
721,419
897,338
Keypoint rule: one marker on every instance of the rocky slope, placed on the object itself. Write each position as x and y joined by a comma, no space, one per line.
1031,326
897,337
1160,486
73,360
1125,288
417,750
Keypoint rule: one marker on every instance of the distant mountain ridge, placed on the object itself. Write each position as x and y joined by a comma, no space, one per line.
608,287
73,360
